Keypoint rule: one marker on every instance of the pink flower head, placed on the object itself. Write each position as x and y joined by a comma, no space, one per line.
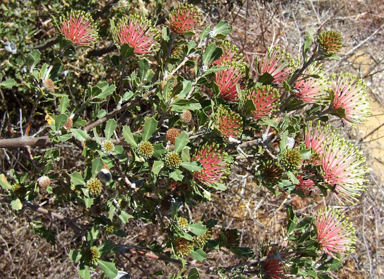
213,162
344,168
315,138
273,266
350,95
334,234
228,123
137,32
184,19
310,89
230,54
227,80
306,185
277,63
265,99
79,28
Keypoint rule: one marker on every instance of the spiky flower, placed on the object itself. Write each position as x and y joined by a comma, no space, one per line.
183,247
344,168
136,31
182,222
172,134
349,95
230,54
91,255
186,116
227,80
229,123
201,240
265,99
270,172
107,147
277,63
173,160
306,185
213,163
18,190
145,149
330,42
273,266
44,181
291,159
316,137
184,19
311,89
94,186
335,233
230,238
79,28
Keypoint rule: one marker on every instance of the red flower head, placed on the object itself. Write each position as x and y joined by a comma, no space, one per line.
315,138
137,32
79,28
265,99
334,234
184,19
310,89
344,168
228,123
213,162
227,80
350,95
230,54
277,63
273,266
306,185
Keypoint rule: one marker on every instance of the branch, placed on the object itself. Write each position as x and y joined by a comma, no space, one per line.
24,142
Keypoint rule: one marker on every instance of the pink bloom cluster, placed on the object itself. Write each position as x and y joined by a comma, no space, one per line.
273,265
277,63
227,80
230,54
265,99
306,185
228,123
184,19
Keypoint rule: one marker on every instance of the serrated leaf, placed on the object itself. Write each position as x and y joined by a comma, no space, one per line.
84,272
109,268
59,121
192,166
187,86
149,127
77,179
88,202
183,104
63,104
4,182
97,164
198,255
157,166
128,136
185,154
105,88
79,134
176,175
266,78
9,83
16,204
110,128
197,229
305,154
242,252
124,217
32,59
181,141
190,46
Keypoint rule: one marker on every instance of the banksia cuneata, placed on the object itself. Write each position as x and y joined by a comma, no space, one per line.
44,181
94,186
201,240
277,63
291,159
315,138
227,80
183,247
184,19
107,147
182,222
330,42
186,116
91,255
136,31
213,163
335,233
79,28
230,54
172,134
273,266
173,160
306,185
270,172
145,149
350,94
229,123
265,99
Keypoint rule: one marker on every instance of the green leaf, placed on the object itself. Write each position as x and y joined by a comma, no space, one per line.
127,51
105,88
211,53
159,150
197,229
107,247
59,121
198,255
84,272
221,30
307,44
128,136
93,234
292,219
124,217
88,202
204,33
110,128
194,273
77,179
191,166
292,177
4,182
242,252
305,154
16,204
109,268
183,104
97,164
185,156
149,127
266,78
143,68
187,86
181,141
176,175
63,104
190,47
79,134
157,166
32,59
9,83
74,255
127,95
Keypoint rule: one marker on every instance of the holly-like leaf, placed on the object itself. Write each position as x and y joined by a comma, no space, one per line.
109,268
221,30
197,229
63,104
107,247
16,204
77,179
198,255
149,127
4,182
9,83
128,136
110,128
181,141
212,53
157,166
79,134
192,166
